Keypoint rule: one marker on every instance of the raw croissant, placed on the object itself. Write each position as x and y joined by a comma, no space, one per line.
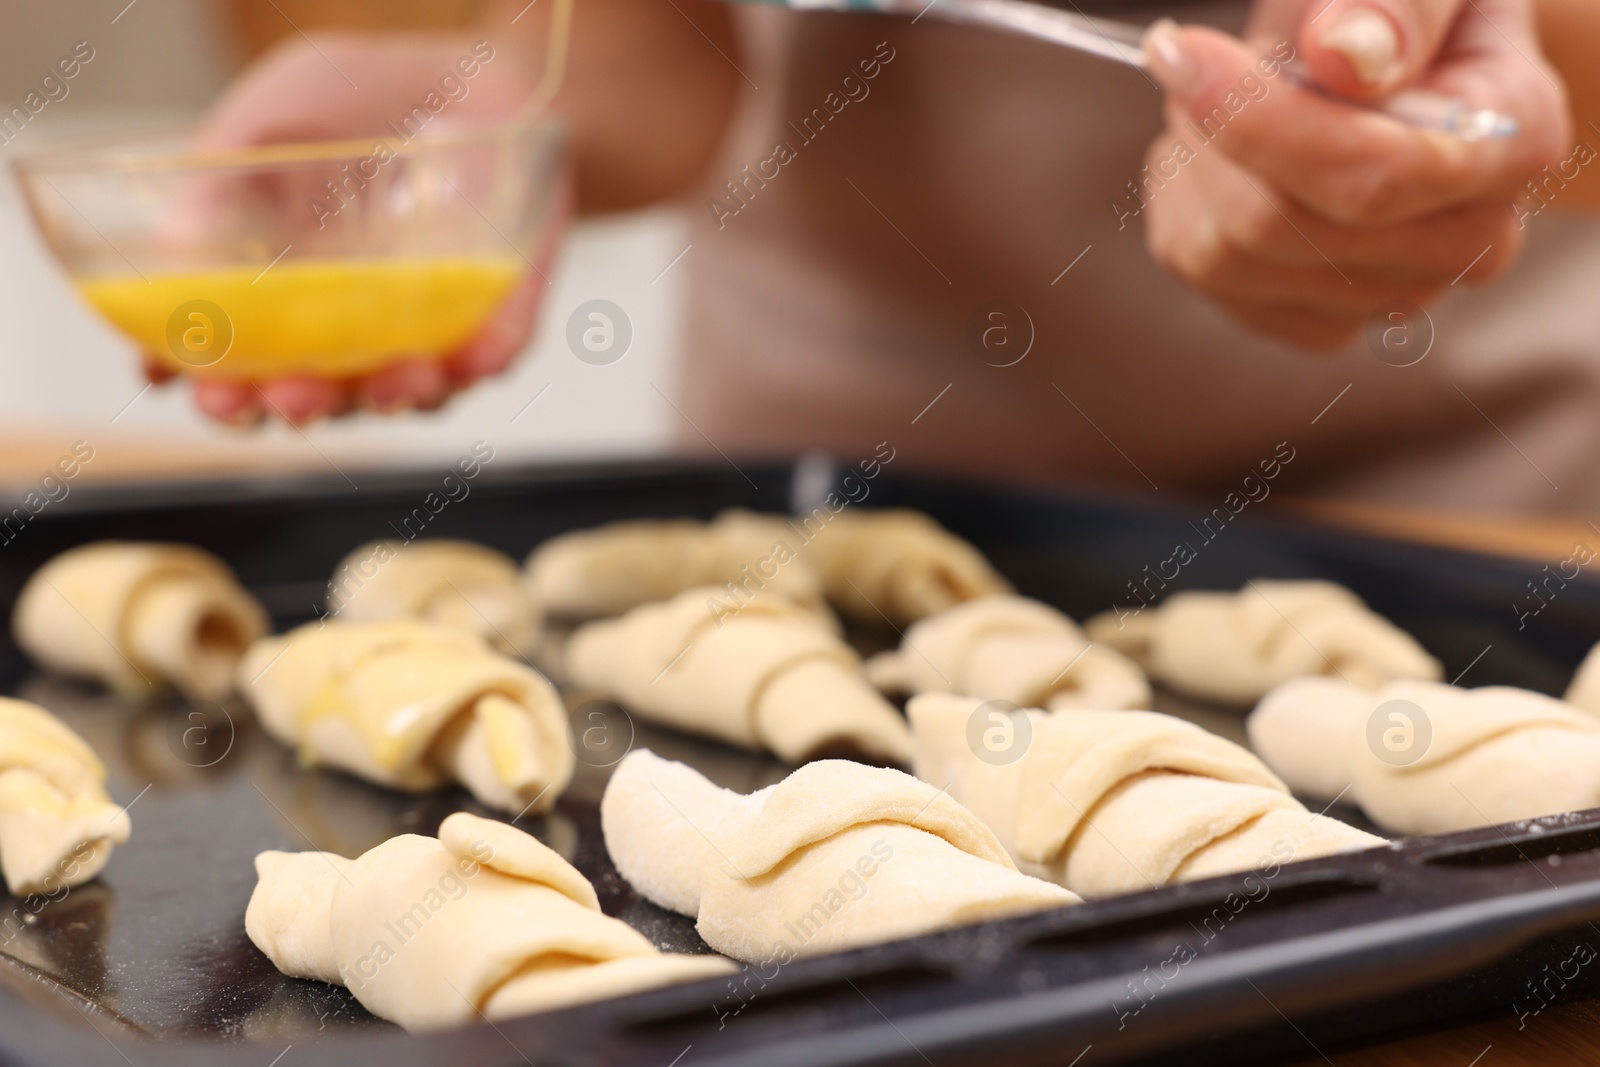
835,856
135,616
1014,649
1424,758
457,583
872,565
613,569
483,921
895,564
413,705
765,676
57,825
1584,691
1233,647
1108,802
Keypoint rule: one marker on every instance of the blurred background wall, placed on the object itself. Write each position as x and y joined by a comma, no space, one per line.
66,375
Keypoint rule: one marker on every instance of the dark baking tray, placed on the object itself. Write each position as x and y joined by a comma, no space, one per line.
150,963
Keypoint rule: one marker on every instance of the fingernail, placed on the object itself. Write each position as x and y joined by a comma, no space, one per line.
1166,59
1368,40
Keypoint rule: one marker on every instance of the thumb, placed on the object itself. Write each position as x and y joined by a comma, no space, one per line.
1371,48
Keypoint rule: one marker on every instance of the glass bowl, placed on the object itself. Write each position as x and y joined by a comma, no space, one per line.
333,258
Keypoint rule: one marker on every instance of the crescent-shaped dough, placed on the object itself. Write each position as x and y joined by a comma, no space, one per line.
1233,647
873,565
612,569
835,856
456,583
413,705
57,824
483,921
894,564
1584,690
1482,756
1010,648
1108,802
765,676
136,616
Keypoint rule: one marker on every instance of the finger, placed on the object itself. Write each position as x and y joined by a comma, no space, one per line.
156,371
235,403
1255,219
1318,288
1310,329
403,386
1193,246
1370,48
511,328
301,399
1352,165
502,337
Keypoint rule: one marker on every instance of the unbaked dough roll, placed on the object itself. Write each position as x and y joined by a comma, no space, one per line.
895,564
57,825
1010,648
457,583
764,676
835,856
1108,802
483,921
1233,647
1425,758
612,569
1472,757
1584,691
139,616
413,705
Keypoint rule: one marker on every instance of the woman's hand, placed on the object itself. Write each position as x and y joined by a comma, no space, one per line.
335,87
1301,215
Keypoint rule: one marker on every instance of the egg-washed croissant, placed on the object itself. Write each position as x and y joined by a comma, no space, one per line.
1014,649
483,921
139,616
1108,802
765,676
457,583
57,825
1427,758
1233,647
835,856
894,564
612,569
413,705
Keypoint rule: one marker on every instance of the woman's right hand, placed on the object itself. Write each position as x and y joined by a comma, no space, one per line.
1301,216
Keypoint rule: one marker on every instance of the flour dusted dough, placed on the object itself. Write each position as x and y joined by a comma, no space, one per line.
1233,647
483,921
137,616
57,825
1107,802
835,856
612,569
413,705
457,583
1484,756
1014,649
765,676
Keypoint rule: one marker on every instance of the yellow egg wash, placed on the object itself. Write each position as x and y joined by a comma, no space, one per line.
328,317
